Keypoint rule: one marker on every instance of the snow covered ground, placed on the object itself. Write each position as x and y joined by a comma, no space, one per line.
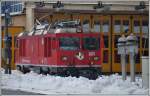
33,82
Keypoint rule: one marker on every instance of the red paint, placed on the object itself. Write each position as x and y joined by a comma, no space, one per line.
45,50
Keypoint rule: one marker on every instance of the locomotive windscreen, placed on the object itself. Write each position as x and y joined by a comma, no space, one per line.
69,43
91,43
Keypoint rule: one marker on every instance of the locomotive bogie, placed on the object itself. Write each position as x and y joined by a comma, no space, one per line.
89,72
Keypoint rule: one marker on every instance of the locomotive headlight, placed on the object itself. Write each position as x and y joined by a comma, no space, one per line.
96,58
64,58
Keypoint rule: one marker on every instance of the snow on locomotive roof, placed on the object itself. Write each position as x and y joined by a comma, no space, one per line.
56,27
20,34
31,33
38,29
66,30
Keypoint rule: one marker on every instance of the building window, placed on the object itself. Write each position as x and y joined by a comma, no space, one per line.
145,53
106,41
86,26
13,6
125,26
96,25
137,26
117,26
16,7
138,40
117,57
106,26
116,40
145,26
137,58
127,59
105,56
145,42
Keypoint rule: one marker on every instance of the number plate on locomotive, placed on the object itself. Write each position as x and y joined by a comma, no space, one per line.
91,53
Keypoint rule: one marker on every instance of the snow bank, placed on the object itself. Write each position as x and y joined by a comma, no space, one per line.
33,82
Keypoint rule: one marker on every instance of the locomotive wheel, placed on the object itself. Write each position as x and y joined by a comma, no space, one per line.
25,69
45,70
72,72
93,75
18,68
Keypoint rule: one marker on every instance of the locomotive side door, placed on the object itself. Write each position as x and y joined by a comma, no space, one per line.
34,50
41,50
46,47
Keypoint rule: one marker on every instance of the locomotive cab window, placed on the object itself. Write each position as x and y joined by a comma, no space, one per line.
69,43
91,43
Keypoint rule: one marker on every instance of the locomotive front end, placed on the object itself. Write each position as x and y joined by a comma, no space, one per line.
81,52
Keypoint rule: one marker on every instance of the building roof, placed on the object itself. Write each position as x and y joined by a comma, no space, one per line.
127,2
86,6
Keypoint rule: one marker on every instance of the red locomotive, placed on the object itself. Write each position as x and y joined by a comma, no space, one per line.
61,49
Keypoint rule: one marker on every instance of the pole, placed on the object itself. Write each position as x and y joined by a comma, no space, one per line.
123,66
7,45
145,71
122,51
132,66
